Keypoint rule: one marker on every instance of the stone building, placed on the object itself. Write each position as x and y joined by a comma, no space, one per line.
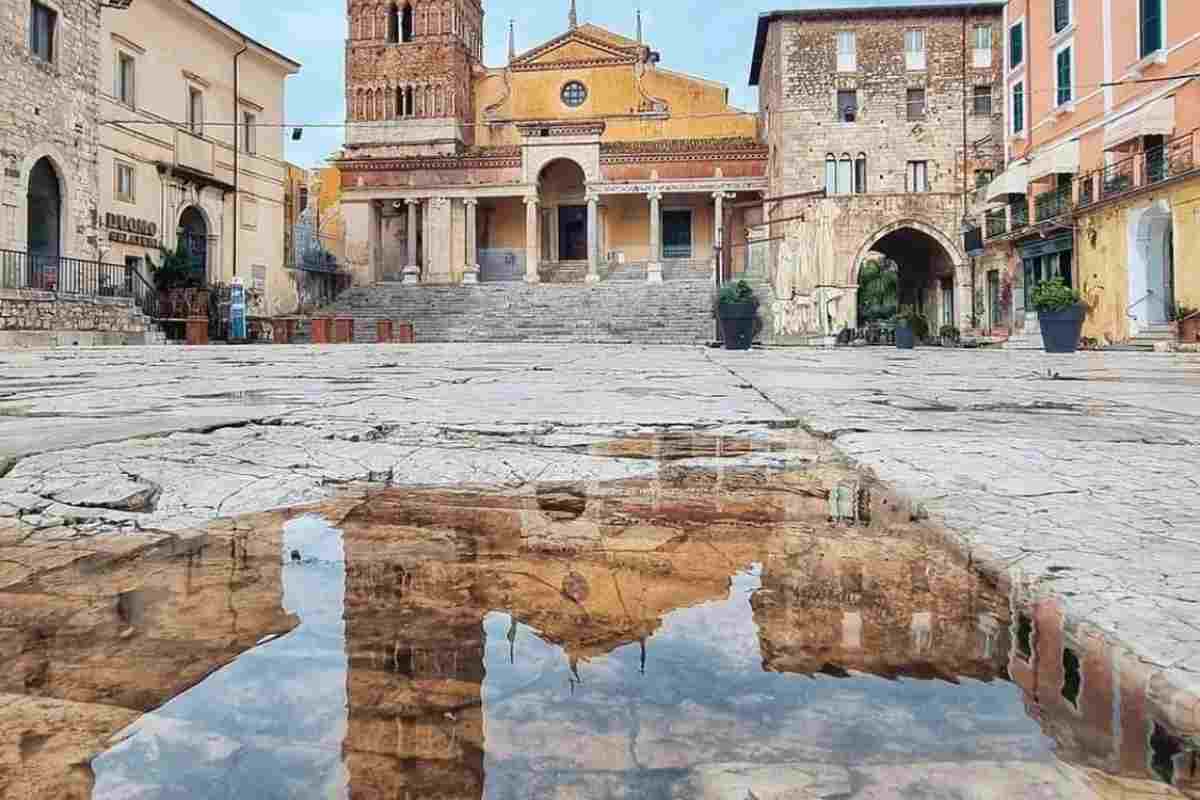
892,111
184,159
579,160
48,197
1102,164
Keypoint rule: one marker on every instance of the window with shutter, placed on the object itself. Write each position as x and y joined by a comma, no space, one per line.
1150,19
982,57
1062,15
1063,60
1018,108
914,50
916,104
1016,45
847,52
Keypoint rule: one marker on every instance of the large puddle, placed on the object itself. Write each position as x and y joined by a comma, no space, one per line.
707,635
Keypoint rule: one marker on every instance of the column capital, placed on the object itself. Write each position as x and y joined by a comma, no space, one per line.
471,201
532,200
723,195
654,194
414,201
593,197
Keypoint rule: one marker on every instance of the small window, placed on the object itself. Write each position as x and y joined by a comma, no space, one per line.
830,175
914,50
1016,45
1018,107
845,174
124,183
249,128
1062,61
847,105
1150,19
43,22
847,51
982,57
981,101
393,24
303,202
195,116
916,104
983,177
917,179
574,94
860,174
406,23
124,89
1062,15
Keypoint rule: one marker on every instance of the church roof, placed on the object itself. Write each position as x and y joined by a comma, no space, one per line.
601,45
604,34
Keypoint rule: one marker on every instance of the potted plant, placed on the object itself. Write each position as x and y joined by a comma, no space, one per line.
1188,319
911,327
1060,312
737,308
949,336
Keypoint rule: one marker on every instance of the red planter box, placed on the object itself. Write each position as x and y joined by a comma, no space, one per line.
282,330
343,330
197,331
405,333
383,331
322,330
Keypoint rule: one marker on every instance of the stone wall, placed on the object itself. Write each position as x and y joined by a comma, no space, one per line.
50,110
31,318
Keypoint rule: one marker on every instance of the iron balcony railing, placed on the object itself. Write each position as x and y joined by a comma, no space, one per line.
996,223
1174,158
1053,204
75,277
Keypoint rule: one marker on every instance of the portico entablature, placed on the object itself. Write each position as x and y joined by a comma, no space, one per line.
701,186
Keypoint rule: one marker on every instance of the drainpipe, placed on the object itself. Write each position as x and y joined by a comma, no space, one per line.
237,146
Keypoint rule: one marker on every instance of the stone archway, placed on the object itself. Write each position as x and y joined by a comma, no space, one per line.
1151,256
928,265
562,190
44,224
193,234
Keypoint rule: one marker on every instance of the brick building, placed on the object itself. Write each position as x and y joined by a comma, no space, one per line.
49,57
893,110
579,160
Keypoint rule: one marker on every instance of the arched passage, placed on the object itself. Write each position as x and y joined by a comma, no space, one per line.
562,188
193,238
1151,265
925,263
44,224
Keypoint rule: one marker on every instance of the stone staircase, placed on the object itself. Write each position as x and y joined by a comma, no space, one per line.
674,312
1154,335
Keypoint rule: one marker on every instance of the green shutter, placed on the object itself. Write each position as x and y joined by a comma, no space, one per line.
1018,108
1015,46
1064,76
1151,19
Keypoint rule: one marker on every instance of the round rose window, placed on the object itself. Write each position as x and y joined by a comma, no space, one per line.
574,94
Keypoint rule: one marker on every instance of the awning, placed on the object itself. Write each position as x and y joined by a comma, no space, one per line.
1012,181
1153,119
1062,158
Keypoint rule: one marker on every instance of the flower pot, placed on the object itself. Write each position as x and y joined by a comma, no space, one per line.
322,330
343,330
1061,329
737,324
383,331
1189,330
905,338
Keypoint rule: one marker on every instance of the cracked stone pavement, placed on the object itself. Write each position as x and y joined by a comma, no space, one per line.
1078,475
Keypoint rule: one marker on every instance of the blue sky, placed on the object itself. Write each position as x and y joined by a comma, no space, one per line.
706,38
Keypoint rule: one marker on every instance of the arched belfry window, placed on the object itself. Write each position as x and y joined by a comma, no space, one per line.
845,177
393,24
406,23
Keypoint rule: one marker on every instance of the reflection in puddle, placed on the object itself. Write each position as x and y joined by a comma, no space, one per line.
705,633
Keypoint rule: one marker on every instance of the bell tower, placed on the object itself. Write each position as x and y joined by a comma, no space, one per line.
409,65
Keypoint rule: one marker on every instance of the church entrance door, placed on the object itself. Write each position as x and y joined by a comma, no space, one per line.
572,233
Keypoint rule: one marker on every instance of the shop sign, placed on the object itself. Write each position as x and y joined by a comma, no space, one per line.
130,230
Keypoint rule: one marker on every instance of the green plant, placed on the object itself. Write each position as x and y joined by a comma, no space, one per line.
736,292
914,319
878,288
174,271
1055,295
1180,312
949,333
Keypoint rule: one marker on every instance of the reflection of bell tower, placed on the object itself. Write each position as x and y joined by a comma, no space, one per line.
408,75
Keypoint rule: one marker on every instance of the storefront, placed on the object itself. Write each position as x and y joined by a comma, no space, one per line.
1045,260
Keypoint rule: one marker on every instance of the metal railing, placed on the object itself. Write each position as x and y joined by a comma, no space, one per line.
1172,159
1052,204
996,223
76,277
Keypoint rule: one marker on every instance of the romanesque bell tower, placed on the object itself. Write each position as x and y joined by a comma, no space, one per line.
408,75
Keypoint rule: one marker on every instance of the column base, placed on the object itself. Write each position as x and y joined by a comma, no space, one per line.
592,277
532,279
471,276
654,273
411,276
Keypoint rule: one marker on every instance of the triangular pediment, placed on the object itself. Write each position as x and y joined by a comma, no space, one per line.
588,44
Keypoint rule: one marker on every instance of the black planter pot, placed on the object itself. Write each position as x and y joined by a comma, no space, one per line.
1061,329
905,338
737,324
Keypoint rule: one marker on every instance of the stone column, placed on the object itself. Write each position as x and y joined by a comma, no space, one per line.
471,269
654,272
412,273
719,199
533,242
374,241
593,241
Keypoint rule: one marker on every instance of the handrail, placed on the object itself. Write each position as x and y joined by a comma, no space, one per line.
1149,294
1173,158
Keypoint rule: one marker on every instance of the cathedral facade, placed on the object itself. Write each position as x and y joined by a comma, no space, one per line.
579,160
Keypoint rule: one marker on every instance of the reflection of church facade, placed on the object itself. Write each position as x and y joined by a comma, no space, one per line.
579,160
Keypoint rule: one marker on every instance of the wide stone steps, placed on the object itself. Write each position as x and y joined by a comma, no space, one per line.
678,312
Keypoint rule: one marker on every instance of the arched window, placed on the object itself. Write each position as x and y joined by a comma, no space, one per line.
860,174
406,23
845,176
409,107
379,104
830,175
393,24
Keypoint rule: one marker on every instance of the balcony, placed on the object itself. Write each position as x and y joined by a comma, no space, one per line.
1053,204
1139,171
996,223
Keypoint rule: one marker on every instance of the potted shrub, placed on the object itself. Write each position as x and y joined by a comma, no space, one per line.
1060,312
911,327
1188,320
949,336
737,308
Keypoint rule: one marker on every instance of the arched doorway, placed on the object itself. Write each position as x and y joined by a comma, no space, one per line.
924,261
44,225
562,189
1151,266
193,239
